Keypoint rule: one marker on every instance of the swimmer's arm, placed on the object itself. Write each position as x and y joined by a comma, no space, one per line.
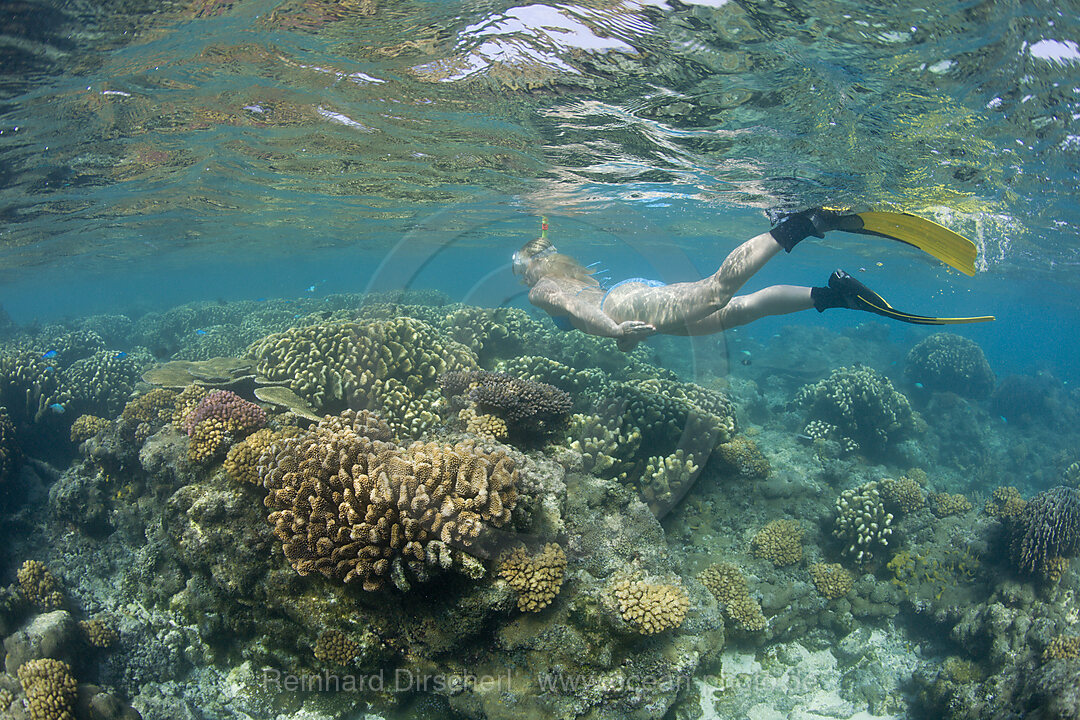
584,315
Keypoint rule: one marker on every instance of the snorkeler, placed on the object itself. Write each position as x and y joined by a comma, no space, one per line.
634,309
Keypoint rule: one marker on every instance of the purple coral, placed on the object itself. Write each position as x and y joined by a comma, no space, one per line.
225,405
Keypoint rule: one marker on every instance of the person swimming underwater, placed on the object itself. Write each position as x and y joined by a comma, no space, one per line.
632,310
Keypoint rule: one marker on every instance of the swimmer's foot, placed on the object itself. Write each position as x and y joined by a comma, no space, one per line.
844,291
792,229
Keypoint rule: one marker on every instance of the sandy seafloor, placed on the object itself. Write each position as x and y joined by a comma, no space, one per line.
869,532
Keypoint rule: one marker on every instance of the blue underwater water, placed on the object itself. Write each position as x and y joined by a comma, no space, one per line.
330,193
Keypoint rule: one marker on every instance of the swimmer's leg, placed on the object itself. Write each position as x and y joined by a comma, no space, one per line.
744,309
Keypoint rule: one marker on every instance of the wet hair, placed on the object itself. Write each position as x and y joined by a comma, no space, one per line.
535,247
559,265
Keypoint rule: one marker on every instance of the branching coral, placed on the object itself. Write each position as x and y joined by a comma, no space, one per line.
524,405
904,494
50,689
832,580
651,608
218,420
536,578
862,523
727,583
666,479
39,586
347,503
949,362
1048,527
779,542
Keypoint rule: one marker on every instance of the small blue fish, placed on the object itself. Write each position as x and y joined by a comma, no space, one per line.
200,332
260,300
49,354
57,408
311,288
120,355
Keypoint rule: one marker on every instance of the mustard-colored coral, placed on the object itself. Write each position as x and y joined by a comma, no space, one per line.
905,493
1005,502
536,578
242,461
728,585
832,580
780,542
99,632
1062,647
87,426
334,646
484,425
1056,567
39,586
666,479
650,608
50,689
183,403
156,406
946,504
350,505
744,457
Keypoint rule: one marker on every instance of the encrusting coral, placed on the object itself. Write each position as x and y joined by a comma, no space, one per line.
651,608
39,586
779,542
832,580
349,504
1048,527
50,689
862,523
537,579
727,583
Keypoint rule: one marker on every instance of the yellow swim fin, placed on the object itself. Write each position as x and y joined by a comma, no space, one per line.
852,294
948,247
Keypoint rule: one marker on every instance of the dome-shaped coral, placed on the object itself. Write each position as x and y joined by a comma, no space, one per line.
948,362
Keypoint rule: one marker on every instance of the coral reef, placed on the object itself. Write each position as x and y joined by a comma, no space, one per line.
87,426
651,608
219,419
1062,647
666,480
536,579
1005,502
832,580
100,632
523,405
743,458
862,404
1048,527
39,586
101,384
50,689
728,585
489,426
904,494
946,504
951,363
347,503
862,524
242,460
335,647
10,454
779,542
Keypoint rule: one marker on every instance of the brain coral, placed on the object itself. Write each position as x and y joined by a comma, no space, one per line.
1048,527
863,405
50,689
780,542
386,365
536,578
651,608
948,362
347,503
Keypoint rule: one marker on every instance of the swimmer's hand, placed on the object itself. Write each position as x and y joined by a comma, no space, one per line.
632,332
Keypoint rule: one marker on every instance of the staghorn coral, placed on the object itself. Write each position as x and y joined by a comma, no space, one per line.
219,419
832,580
87,426
1062,647
537,579
904,494
1048,527
1005,502
948,362
727,583
242,460
347,503
862,523
779,542
946,504
334,646
99,632
523,404
651,608
386,365
50,689
39,586
862,404
10,454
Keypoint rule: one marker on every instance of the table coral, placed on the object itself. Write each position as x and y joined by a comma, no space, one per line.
728,585
779,542
349,504
832,580
537,579
949,362
50,689
651,608
862,523
1048,527
862,404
